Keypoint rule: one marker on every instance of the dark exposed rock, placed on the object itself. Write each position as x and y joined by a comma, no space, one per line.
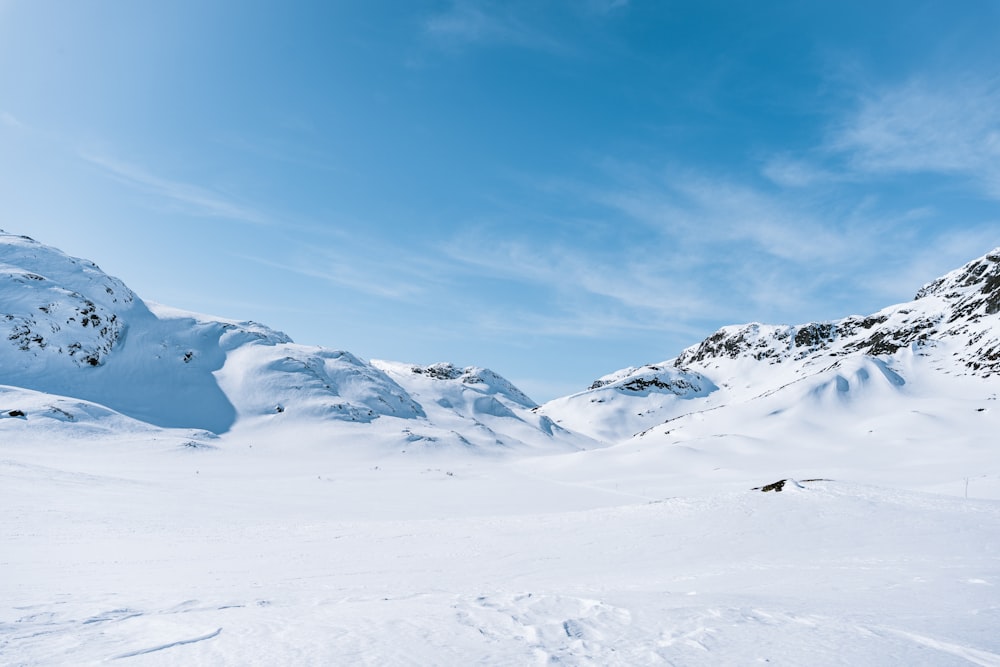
443,371
677,386
780,484
773,486
483,378
812,335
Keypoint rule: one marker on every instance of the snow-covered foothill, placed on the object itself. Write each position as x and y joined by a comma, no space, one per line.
631,400
479,406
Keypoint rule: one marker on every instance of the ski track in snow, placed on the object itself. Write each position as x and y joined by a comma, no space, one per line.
975,656
163,647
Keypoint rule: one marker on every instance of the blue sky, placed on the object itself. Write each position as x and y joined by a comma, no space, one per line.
551,189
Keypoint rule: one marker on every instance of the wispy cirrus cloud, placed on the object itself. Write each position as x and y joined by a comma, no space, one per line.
479,22
577,276
791,172
921,126
350,253
192,199
604,6
786,251
353,269
687,250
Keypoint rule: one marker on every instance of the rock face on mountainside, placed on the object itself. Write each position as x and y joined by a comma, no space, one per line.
957,308
485,379
58,308
653,378
69,329
951,328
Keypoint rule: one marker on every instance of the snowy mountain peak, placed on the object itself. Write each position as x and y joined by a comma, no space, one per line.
57,308
973,290
950,308
655,378
486,381
950,329
69,330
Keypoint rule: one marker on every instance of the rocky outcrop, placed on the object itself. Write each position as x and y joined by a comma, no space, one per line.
490,381
961,306
56,307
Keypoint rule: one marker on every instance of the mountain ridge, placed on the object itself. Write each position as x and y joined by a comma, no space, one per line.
73,331
951,327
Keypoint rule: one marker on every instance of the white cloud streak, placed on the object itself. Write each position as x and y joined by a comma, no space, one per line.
476,22
355,271
577,275
192,199
789,172
710,250
919,126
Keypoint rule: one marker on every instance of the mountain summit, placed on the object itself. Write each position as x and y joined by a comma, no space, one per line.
956,309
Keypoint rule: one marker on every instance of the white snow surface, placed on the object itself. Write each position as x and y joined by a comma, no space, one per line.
180,489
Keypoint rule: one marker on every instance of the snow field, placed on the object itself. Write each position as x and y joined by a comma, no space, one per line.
150,552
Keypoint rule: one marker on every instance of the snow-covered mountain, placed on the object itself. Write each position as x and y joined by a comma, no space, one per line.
475,404
70,330
947,337
905,396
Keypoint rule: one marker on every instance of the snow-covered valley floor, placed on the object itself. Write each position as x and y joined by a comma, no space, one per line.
138,550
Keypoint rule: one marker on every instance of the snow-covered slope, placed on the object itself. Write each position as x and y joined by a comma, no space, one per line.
72,330
476,407
139,551
950,333
62,416
68,329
